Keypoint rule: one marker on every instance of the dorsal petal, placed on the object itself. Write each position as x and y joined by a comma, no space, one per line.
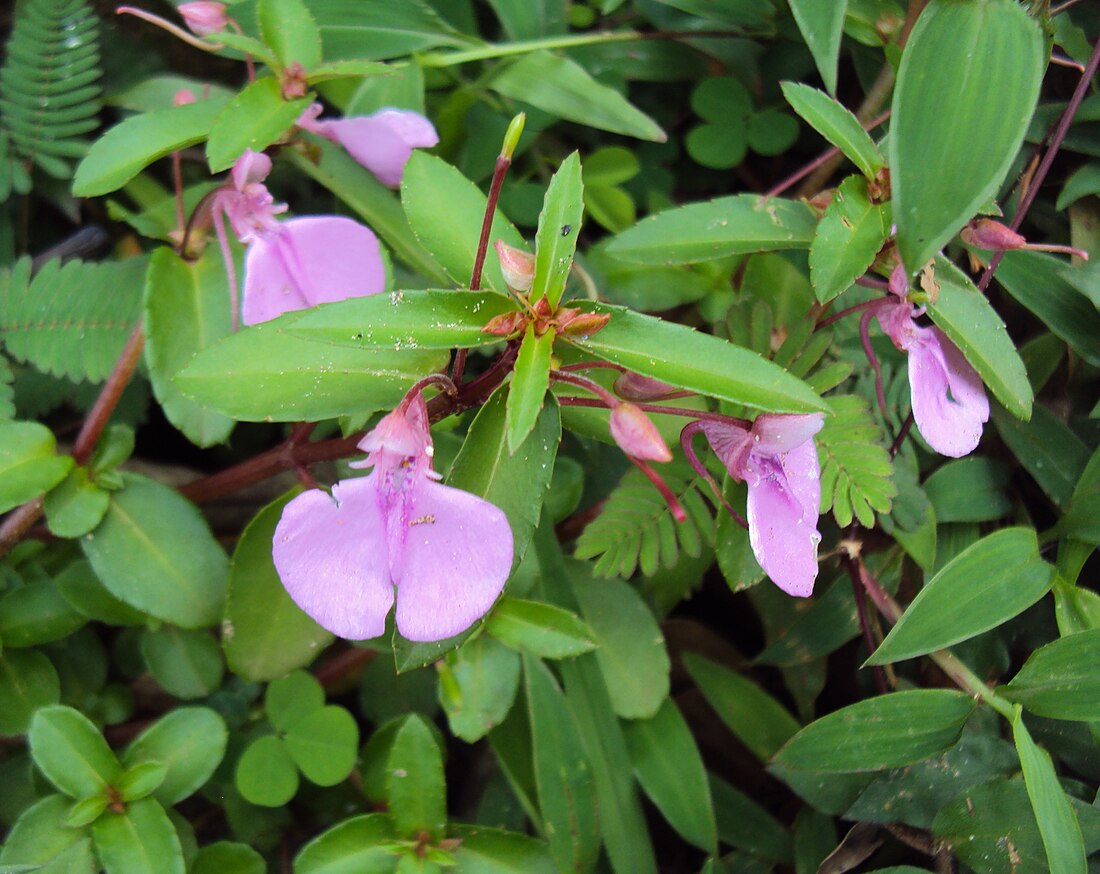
776,433
457,557
331,556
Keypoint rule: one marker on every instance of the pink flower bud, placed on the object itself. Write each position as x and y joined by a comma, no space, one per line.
988,234
517,266
635,387
204,17
183,97
636,435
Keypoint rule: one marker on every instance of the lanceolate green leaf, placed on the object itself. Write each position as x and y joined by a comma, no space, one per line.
987,584
699,362
848,238
289,29
967,85
734,225
1060,680
530,380
559,228
351,29
253,119
540,629
836,123
822,25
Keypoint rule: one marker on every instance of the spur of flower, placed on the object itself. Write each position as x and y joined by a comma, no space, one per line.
396,534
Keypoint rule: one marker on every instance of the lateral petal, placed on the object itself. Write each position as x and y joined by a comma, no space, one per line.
382,142
951,423
782,530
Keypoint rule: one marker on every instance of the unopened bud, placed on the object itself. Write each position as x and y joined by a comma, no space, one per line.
634,387
504,325
517,266
294,83
183,97
204,17
988,234
636,434
512,135
580,324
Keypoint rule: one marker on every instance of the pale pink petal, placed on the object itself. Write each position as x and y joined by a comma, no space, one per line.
330,553
250,167
782,530
456,558
308,261
731,444
896,321
949,403
381,142
775,433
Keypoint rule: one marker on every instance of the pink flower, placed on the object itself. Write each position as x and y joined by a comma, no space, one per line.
204,17
777,460
949,402
382,142
447,552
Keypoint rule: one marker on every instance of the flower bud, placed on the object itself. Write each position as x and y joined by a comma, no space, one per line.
505,325
988,234
517,266
204,17
635,387
183,97
577,324
636,434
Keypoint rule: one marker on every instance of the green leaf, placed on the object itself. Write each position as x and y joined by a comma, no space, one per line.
832,119
28,463
1082,518
529,19
265,634
414,783
187,309
530,380
1057,823
631,650
966,317
289,29
1060,680
848,238
265,373
967,85
349,69
969,490
28,682
292,698
71,752
515,482
155,552
889,731
562,87
87,811
452,234
856,471
76,506
736,225
477,685
41,837
822,25
187,664
136,142
266,774
695,361
228,857
540,629
670,769
987,584
759,721
360,845
190,742
415,319
389,29
139,841
254,119
140,781
324,745
495,851
558,231
80,586
744,824
1047,449
35,613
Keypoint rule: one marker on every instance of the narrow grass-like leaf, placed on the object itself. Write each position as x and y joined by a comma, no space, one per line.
833,120
530,380
558,231
822,25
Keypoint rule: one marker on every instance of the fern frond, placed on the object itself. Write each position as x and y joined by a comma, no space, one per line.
636,531
49,91
71,320
856,473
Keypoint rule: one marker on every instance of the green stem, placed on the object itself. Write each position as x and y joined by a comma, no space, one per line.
504,50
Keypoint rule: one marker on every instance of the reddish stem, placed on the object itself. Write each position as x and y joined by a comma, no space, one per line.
821,159
109,396
865,339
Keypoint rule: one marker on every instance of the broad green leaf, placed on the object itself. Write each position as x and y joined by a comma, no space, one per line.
360,845
265,373
744,824
1047,449
515,482
187,664
254,119
139,841
28,682
477,685
265,634
540,629
760,722
416,319
228,857
997,578
380,30
452,234
324,745
154,551
35,613
41,840
292,698
28,463
1053,813
670,769
822,25
530,380
835,122
190,742
630,648
80,586
966,317
848,238
1060,679
136,142
967,85
266,774
969,490
698,362
414,781
290,31
736,225
1082,518
559,228
187,308
76,506
888,731
71,752
562,87
495,851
